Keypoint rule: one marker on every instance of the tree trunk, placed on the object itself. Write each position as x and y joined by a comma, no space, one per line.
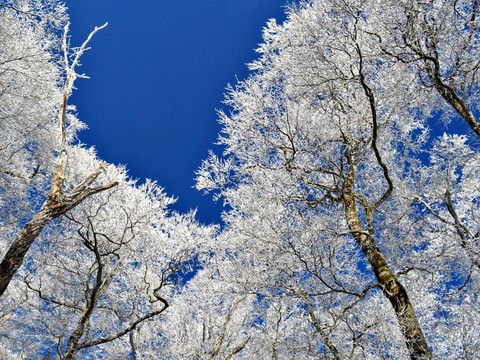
14,257
392,288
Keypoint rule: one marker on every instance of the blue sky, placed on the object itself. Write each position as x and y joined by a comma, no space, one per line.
157,74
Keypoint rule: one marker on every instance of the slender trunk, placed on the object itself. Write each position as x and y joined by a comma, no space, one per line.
132,344
392,288
73,342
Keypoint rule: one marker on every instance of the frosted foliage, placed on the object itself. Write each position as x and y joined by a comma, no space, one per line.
29,95
350,231
127,253
108,266
328,159
210,320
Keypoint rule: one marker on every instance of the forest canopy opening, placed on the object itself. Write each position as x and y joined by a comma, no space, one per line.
351,216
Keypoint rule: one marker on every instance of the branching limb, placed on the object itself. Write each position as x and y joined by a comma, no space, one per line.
51,299
388,282
62,111
11,7
224,327
430,210
127,329
73,341
238,348
371,99
57,203
450,95
316,324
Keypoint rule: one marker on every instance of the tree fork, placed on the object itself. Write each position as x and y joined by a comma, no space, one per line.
450,95
56,205
392,288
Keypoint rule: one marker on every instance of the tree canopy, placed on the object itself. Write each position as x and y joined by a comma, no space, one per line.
341,199
349,174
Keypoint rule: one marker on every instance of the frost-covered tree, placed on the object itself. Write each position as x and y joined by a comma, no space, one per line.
29,97
103,271
212,322
350,231
90,258
26,58
338,196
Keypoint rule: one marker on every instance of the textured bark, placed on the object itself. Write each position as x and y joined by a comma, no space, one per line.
14,257
392,288
55,206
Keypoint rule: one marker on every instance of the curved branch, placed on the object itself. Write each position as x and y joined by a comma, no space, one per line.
126,330
73,341
462,231
371,100
238,348
448,92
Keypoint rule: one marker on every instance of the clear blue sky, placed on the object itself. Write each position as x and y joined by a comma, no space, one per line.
157,74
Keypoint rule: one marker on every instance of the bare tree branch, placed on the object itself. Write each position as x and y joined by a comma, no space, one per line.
57,203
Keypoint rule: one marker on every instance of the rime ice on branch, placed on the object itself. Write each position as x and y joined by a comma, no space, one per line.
58,202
